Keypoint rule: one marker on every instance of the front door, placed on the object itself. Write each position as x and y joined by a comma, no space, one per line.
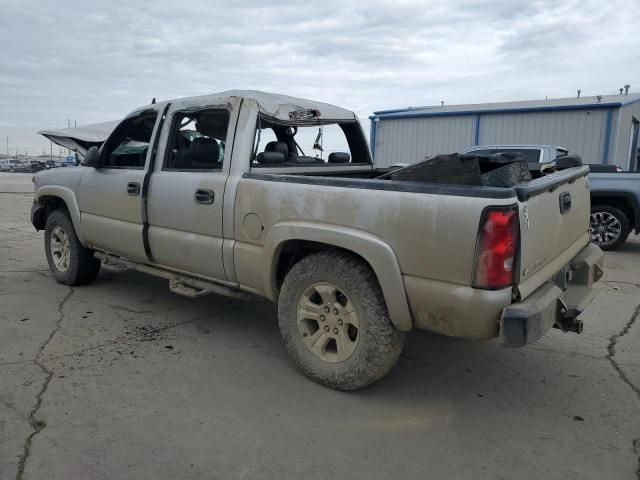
110,196
186,194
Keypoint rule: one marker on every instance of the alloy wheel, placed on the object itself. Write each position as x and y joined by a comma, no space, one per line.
60,250
328,322
604,227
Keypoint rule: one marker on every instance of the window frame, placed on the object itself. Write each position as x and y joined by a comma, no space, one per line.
172,131
103,155
339,123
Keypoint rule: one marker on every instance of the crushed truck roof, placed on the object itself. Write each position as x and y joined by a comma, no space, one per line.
275,106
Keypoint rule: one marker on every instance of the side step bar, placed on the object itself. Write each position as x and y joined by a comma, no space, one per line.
179,283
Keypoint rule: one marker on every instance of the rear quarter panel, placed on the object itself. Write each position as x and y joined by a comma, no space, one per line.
432,236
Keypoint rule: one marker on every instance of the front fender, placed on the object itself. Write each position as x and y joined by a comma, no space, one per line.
69,198
375,251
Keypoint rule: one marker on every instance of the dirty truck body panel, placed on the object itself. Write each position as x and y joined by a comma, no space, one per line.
230,222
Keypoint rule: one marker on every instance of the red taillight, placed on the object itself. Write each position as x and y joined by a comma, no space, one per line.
496,248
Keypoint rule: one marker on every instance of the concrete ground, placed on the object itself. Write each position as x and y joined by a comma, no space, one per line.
124,380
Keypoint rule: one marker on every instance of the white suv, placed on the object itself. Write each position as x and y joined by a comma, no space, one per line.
7,165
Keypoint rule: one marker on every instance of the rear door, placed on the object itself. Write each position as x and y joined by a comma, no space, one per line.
186,192
109,197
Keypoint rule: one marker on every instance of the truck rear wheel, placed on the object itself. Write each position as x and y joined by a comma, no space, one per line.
334,321
608,226
70,263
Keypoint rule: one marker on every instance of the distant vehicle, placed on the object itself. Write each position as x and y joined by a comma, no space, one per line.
615,208
538,154
22,167
532,153
600,168
37,165
8,165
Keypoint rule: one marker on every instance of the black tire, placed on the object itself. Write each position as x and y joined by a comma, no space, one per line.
82,267
600,215
378,345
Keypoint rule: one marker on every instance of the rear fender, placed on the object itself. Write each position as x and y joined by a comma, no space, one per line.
376,252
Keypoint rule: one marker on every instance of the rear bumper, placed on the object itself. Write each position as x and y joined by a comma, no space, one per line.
552,306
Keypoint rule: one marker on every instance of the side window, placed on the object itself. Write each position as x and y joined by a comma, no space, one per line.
197,140
129,144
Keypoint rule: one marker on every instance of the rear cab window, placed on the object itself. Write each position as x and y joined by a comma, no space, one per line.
317,144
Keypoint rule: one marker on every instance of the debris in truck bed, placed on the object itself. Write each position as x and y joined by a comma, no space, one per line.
452,169
495,170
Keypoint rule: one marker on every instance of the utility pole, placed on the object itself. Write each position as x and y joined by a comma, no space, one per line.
68,126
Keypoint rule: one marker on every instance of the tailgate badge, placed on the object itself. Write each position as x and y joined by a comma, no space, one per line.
525,214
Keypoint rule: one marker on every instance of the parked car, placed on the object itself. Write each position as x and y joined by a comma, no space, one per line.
532,153
37,165
601,168
615,195
353,261
22,167
8,165
615,208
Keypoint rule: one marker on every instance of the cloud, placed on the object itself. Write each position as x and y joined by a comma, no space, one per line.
95,61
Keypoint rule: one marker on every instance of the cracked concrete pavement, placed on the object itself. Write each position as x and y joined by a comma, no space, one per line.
122,379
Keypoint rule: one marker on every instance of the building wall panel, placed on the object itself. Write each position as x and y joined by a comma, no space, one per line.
410,140
581,131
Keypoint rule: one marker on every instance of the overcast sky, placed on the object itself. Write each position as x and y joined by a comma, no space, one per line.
95,61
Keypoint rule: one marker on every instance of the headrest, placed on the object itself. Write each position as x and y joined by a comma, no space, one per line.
268,158
277,147
204,150
339,157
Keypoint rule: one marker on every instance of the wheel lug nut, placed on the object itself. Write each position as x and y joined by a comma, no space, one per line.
335,311
326,328
322,318
335,331
340,321
326,309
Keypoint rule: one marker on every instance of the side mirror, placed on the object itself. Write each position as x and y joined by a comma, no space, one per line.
92,158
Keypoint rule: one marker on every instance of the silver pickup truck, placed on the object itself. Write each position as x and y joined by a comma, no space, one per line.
216,194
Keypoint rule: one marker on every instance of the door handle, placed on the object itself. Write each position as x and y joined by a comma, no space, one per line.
133,188
204,196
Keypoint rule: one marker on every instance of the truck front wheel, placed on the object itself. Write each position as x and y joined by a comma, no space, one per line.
334,321
70,263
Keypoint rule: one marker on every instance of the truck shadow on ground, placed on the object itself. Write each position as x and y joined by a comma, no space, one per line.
431,365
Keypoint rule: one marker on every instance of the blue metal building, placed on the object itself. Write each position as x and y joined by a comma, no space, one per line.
601,129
